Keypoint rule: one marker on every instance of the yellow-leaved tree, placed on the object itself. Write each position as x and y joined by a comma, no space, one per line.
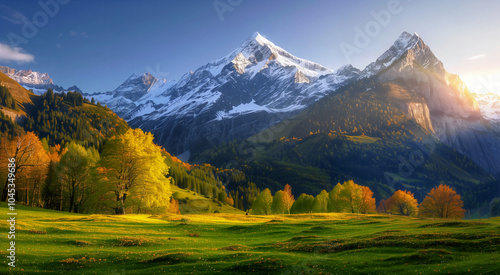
402,203
135,169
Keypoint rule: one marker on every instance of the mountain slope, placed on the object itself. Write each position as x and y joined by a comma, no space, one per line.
452,112
59,117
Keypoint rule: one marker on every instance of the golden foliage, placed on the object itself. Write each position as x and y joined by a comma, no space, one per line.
442,202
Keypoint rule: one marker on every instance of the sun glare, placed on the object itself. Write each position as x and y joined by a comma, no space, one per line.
485,82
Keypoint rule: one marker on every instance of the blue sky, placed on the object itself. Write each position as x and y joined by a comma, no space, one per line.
96,45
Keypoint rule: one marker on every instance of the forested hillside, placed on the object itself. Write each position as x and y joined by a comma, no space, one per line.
357,133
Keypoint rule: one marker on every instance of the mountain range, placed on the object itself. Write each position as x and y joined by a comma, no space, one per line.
260,84
35,81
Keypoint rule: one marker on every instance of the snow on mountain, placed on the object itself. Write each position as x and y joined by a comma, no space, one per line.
258,61
27,76
257,79
490,105
36,81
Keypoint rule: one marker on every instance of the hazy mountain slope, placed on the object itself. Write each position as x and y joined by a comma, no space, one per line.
452,112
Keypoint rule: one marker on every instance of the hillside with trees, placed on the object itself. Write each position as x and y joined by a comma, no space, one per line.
356,133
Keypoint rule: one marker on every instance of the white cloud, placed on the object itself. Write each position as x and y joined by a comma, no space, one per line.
475,57
8,54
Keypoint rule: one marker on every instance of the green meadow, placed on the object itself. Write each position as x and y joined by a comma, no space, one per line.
228,243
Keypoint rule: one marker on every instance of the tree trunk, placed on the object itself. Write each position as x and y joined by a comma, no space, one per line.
61,199
124,196
72,197
120,210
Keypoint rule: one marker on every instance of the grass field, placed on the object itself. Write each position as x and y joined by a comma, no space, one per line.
55,242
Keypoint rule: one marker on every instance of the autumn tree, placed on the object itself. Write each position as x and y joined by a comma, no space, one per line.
28,152
367,201
288,198
230,201
442,202
278,206
320,203
174,206
402,203
303,204
135,168
263,202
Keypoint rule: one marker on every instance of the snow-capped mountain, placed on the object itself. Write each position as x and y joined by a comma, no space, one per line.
36,81
132,94
438,100
260,84
255,86
27,76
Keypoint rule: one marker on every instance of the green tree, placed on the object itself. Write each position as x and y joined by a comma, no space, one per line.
336,203
263,202
352,196
74,173
320,203
222,196
303,204
278,206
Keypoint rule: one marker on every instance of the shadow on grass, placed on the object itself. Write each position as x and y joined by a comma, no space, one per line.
259,266
171,259
428,256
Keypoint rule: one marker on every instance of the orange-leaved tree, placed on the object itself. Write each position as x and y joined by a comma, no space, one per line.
442,202
402,203
27,152
367,201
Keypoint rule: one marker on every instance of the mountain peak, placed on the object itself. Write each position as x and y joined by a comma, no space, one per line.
261,39
255,35
405,42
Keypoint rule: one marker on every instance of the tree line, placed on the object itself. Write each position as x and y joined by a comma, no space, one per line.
349,197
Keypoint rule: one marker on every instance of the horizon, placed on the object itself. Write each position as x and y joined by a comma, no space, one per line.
81,46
